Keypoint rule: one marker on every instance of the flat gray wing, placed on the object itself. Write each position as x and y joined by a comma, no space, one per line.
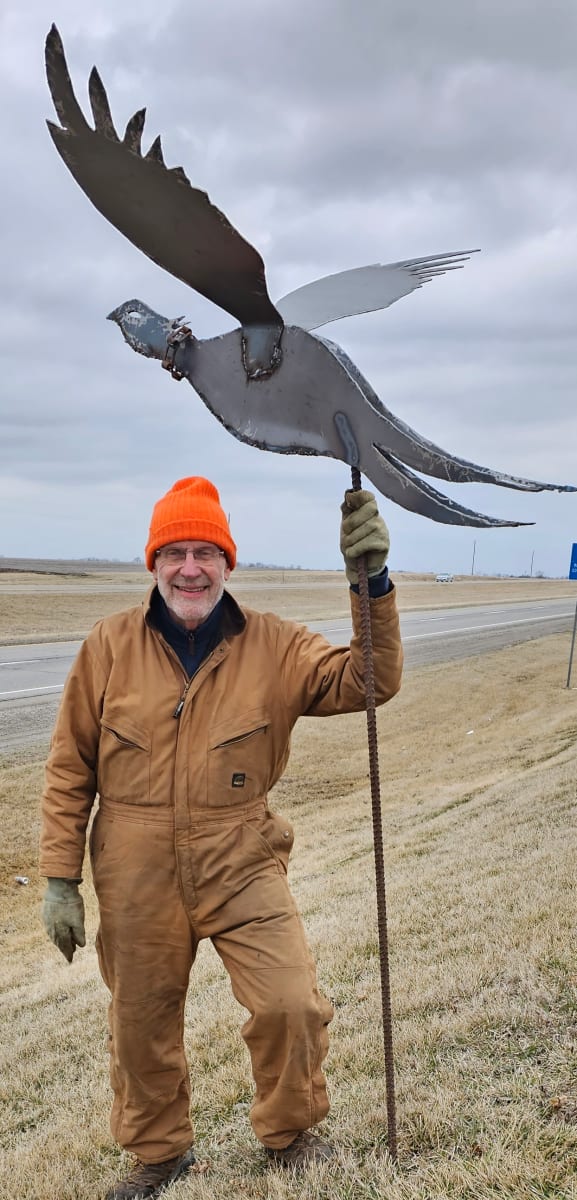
155,207
364,289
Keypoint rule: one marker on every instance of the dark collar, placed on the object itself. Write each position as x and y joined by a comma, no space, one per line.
227,618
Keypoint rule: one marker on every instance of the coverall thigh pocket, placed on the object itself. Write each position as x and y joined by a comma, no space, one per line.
276,836
112,844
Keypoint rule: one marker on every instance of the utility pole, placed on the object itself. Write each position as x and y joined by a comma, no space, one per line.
532,557
473,562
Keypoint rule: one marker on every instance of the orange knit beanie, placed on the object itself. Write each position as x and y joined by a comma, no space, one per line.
190,510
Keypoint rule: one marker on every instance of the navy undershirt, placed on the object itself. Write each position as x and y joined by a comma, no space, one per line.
191,645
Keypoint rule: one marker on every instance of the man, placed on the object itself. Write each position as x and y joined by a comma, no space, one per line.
178,714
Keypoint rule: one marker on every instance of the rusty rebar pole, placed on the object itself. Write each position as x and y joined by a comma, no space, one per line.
378,842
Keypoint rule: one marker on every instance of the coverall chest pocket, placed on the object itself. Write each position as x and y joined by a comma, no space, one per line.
238,759
124,760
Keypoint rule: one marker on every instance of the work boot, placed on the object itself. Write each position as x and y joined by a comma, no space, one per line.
150,1179
306,1149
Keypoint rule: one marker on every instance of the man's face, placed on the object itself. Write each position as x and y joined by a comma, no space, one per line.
190,577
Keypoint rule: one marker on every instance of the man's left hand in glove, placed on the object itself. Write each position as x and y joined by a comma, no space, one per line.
363,531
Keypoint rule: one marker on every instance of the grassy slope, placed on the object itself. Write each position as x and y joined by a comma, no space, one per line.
478,771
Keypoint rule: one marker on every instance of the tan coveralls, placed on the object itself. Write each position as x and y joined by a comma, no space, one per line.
184,847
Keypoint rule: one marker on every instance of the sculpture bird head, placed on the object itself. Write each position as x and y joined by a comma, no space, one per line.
142,329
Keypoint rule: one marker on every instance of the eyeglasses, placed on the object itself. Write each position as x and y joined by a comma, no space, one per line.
175,556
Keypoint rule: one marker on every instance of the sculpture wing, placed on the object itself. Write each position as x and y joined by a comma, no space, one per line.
155,207
363,289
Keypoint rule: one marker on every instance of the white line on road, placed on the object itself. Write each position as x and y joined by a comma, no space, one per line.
445,616
415,637
410,615
412,637
52,687
25,662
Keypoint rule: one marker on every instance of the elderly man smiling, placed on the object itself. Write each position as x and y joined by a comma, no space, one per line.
178,715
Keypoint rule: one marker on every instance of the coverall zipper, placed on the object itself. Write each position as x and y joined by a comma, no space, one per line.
180,704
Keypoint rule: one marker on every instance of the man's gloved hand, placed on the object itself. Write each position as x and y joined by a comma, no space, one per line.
63,915
363,531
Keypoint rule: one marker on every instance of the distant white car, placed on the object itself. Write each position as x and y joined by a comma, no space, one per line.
444,577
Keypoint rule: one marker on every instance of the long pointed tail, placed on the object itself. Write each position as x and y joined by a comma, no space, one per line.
391,435
421,454
399,484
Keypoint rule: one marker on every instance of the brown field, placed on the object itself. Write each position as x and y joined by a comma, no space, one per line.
478,779
44,607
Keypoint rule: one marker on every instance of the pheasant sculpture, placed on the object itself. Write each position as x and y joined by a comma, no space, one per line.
272,382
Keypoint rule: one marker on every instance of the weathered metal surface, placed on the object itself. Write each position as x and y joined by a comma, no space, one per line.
173,342
145,331
421,454
279,388
318,402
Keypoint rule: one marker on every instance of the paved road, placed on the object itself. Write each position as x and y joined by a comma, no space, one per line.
439,635
32,676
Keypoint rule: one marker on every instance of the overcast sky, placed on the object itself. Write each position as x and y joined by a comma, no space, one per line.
333,134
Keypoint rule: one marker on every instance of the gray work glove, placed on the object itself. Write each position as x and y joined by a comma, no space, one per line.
363,531
63,915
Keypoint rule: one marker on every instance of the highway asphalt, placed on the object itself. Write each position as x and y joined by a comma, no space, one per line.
32,676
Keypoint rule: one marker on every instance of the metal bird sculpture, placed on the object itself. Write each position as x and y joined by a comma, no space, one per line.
271,383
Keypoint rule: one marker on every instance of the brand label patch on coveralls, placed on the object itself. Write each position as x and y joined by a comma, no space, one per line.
238,779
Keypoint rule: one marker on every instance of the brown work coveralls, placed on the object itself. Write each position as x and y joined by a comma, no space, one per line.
184,847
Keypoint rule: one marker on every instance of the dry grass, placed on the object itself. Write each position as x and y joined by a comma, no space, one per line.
478,771
55,608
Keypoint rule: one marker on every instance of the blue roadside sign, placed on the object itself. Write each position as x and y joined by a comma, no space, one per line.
573,567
